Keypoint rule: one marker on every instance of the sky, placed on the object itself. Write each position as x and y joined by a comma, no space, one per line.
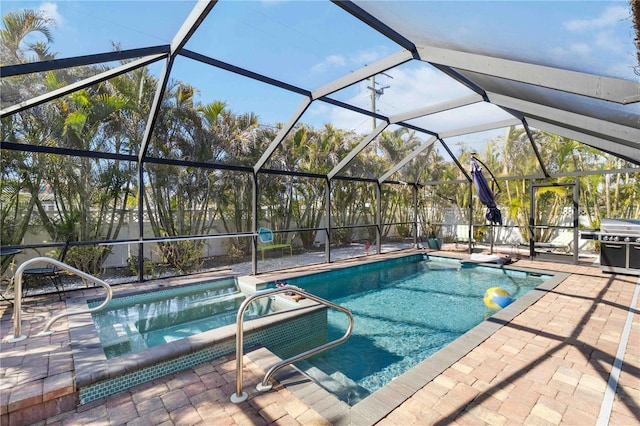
311,43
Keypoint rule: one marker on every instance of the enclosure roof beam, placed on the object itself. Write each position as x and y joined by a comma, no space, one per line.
480,128
243,72
536,151
79,61
573,174
375,23
155,108
434,109
188,28
281,135
98,78
520,116
322,92
614,132
191,24
627,153
354,108
455,160
593,86
363,73
408,158
357,150
46,149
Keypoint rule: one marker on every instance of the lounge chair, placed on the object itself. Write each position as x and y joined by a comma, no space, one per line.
51,272
562,242
462,234
477,258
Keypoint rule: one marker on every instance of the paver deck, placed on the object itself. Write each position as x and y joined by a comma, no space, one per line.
551,364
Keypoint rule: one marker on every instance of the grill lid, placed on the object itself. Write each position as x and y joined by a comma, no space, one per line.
620,226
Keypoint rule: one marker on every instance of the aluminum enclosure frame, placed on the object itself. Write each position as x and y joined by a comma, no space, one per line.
618,134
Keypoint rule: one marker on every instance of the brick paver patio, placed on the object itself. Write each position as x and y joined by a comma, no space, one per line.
550,365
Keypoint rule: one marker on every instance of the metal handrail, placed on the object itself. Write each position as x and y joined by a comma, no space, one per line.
17,314
240,396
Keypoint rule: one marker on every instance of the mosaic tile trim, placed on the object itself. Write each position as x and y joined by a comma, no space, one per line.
305,328
126,381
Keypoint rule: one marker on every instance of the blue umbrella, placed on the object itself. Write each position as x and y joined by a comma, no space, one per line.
485,193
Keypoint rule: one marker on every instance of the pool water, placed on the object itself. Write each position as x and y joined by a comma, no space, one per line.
403,312
134,323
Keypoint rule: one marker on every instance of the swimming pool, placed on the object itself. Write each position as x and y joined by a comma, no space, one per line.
404,311
140,321
293,329
172,315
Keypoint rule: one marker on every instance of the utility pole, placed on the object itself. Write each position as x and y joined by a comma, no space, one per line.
375,94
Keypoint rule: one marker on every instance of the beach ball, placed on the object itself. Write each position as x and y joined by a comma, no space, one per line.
497,298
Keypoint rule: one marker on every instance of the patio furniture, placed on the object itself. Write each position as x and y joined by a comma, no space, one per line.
52,273
462,235
266,243
562,242
9,253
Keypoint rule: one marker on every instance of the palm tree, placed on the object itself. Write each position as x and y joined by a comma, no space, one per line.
20,170
17,26
397,202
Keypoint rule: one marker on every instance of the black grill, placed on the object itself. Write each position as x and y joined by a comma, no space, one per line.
620,246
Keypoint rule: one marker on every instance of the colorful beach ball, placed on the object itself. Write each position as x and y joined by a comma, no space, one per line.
497,298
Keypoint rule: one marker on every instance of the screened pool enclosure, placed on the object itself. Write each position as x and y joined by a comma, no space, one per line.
163,140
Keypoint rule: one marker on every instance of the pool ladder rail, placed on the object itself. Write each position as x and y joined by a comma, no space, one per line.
265,385
17,303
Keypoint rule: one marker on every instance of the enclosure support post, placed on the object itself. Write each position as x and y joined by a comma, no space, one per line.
576,200
378,217
416,239
254,225
140,222
532,222
470,236
327,225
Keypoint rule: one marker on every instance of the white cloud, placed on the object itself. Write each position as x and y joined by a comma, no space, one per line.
600,43
610,17
355,61
365,57
331,61
335,61
51,11
609,41
581,49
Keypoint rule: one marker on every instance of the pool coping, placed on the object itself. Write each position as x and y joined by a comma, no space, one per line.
383,401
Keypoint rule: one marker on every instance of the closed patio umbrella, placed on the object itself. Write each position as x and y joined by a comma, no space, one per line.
485,193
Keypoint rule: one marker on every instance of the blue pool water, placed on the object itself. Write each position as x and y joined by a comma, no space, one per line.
404,311
137,322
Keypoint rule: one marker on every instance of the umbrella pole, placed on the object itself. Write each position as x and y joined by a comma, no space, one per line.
491,236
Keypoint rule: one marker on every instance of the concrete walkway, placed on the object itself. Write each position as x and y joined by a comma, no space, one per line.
552,364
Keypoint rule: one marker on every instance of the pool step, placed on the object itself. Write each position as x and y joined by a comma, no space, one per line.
206,309
186,329
212,300
337,383
114,335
